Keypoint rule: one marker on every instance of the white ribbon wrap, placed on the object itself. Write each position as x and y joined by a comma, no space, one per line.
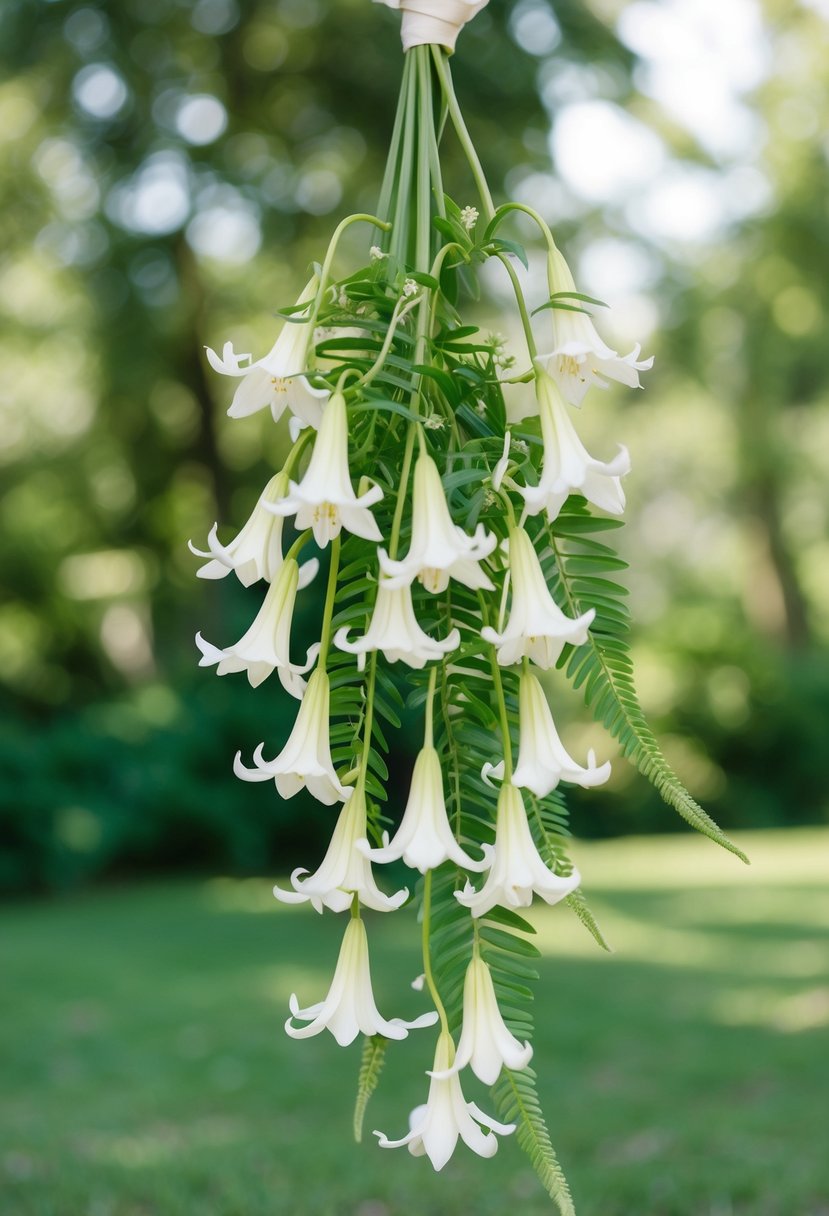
434,22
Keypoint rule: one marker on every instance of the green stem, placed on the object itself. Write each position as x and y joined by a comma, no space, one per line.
360,218
293,552
328,611
400,232
384,203
297,450
441,61
498,685
427,960
526,322
368,720
428,732
401,309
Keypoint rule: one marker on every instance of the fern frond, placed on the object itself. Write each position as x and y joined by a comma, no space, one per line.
371,1065
603,667
516,1098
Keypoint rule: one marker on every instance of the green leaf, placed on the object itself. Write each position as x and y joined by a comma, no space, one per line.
603,667
516,1098
578,904
371,1065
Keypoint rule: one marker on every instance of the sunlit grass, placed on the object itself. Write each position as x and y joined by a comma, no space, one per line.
146,1072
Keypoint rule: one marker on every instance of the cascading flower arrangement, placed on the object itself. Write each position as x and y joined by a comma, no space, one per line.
462,560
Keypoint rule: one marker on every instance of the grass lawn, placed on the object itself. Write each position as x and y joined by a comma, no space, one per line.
145,1071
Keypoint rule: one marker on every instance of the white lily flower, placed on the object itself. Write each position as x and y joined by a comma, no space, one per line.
344,871
579,357
394,630
486,1044
324,499
439,549
542,758
536,627
517,869
424,839
436,1126
305,760
278,380
568,467
349,1008
256,552
267,644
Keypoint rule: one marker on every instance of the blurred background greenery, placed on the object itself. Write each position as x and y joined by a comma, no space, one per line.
167,173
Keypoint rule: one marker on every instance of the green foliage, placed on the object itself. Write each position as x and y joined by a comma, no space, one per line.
603,667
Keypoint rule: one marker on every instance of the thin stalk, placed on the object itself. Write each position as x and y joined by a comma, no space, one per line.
526,322
328,611
428,730
384,203
427,959
400,230
401,309
441,61
360,218
368,720
498,685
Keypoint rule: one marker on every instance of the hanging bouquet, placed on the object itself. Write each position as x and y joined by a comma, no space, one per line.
462,562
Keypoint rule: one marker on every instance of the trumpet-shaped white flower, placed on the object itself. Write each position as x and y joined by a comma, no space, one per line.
486,1043
568,467
579,357
436,1126
517,869
542,758
325,500
256,552
278,379
424,839
394,630
439,550
349,1008
267,644
536,626
305,760
344,871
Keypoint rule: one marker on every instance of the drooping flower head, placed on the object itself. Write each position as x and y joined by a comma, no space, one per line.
394,630
446,1116
345,871
568,467
267,644
486,1044
324,499
349,1008
579,358
305,760
518,870
424,839
277,380
536,626
439,549
543,760
256,551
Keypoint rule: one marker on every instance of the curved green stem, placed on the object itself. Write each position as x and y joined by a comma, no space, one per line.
427,959
328,611
526,322
359,218
441,61
428,729
368,720
401,309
